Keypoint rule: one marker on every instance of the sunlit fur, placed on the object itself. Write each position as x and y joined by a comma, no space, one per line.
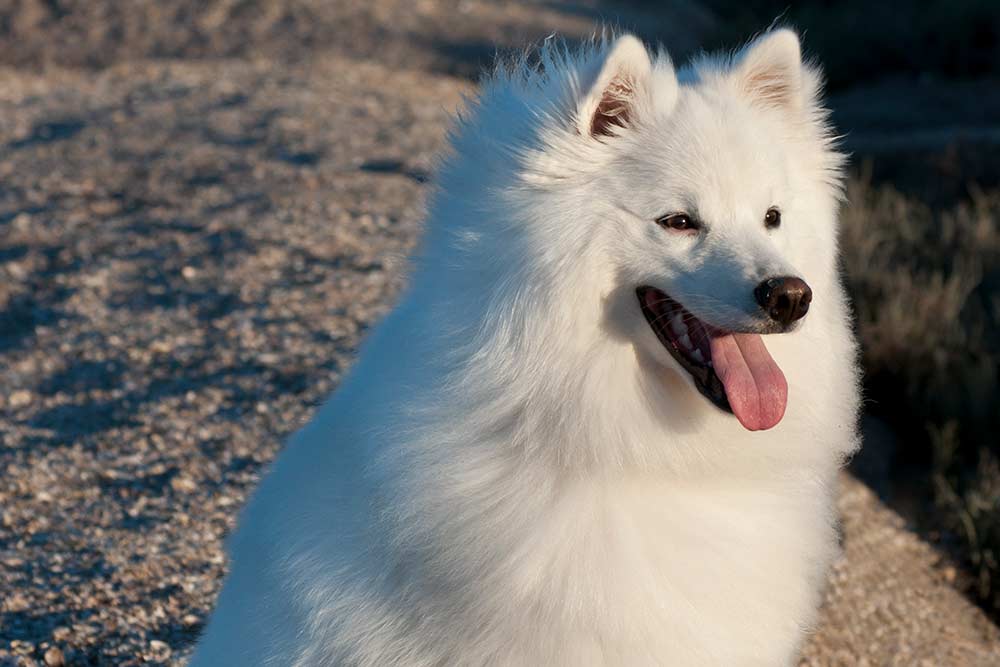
516,472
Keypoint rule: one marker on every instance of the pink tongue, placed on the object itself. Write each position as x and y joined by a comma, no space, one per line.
755,386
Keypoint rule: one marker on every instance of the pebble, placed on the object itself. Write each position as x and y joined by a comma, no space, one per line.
159,650
19,398
54,657
183,484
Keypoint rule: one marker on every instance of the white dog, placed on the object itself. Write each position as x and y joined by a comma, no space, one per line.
600,427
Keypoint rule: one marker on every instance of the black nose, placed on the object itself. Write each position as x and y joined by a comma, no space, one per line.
784,299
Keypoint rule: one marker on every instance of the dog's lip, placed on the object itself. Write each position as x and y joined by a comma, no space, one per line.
705,379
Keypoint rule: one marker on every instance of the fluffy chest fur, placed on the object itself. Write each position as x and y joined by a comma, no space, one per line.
637,571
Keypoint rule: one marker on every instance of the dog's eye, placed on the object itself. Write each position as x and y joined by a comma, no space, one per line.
679,222
772,218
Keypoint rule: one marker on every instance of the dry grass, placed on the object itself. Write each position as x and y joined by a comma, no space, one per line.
925,288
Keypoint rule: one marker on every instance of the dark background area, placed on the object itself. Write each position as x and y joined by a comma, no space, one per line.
203,206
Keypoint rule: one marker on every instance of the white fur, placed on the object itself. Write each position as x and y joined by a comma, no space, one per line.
516,472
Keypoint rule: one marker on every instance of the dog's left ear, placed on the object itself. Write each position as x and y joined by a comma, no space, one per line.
619,92
770,72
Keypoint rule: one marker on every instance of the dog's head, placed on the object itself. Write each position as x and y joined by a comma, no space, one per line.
722,183
698,206
709,195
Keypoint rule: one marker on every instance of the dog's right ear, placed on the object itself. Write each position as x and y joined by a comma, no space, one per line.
620,91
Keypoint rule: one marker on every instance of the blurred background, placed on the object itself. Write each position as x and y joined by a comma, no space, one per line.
204,204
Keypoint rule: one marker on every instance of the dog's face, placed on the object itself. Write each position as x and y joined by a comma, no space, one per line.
723,187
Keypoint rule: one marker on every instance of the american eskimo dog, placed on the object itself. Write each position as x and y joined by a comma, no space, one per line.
603,424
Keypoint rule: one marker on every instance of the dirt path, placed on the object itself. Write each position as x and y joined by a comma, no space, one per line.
190,252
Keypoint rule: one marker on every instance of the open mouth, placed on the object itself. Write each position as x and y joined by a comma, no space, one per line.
733,370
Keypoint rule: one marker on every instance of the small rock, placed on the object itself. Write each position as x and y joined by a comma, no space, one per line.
183,484
21,647
54,657
159,650
22,221
105,207
16,602
161,346
20,398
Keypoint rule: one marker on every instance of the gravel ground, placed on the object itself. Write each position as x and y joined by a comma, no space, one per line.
448,36
190,252
189,256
